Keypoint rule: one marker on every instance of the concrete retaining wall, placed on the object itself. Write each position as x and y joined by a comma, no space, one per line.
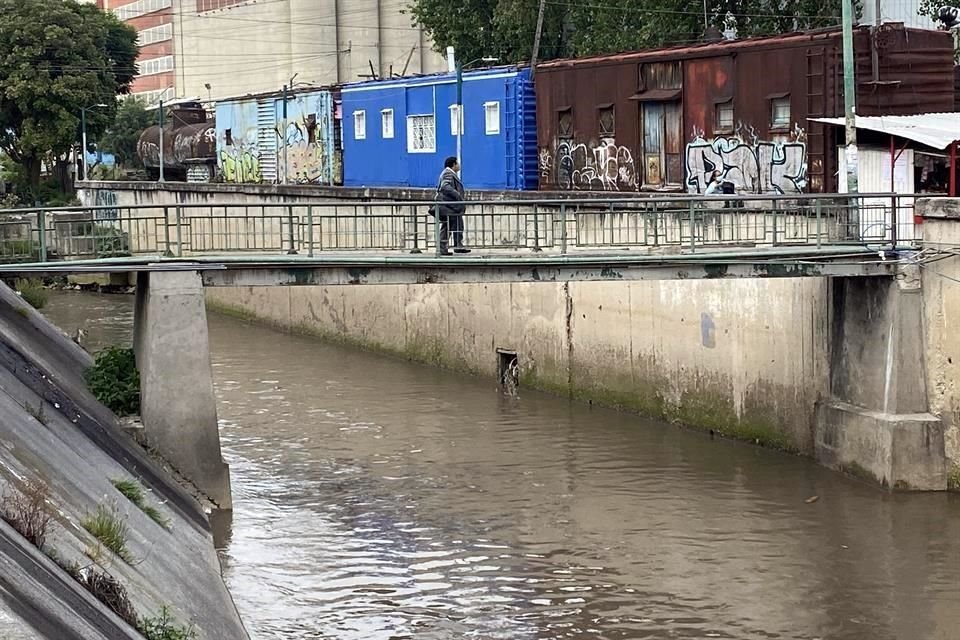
54,431
747,358
941,312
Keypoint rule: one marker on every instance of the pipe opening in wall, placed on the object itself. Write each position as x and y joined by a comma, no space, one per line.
508,370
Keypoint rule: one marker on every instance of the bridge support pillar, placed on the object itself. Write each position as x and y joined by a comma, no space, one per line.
876,423
178,405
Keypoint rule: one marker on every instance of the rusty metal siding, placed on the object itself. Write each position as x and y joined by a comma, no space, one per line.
914,74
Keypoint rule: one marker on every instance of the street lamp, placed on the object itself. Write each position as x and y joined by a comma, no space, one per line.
460,68
83,132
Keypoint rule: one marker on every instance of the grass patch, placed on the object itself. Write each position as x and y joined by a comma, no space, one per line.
107,527
115,381
133,492
37,412
28,512
164,627
32,292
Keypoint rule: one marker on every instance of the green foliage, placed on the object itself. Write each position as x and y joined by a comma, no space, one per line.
32,292
164,627
115,381
110,241
505,28
59,57
122,136
133,492
107,527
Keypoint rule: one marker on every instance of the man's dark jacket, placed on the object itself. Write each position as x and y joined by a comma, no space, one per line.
451,197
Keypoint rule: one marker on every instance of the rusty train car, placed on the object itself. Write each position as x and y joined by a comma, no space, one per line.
666,119
189,145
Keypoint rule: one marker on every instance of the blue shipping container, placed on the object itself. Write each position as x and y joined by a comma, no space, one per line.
398,132
255,144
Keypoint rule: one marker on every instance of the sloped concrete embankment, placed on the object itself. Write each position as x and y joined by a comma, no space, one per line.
52,430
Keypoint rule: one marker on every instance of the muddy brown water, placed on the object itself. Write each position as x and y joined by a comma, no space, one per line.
376,499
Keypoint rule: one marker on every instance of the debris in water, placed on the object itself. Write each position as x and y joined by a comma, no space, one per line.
812,499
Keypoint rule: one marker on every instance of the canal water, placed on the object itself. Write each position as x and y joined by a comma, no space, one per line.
376,499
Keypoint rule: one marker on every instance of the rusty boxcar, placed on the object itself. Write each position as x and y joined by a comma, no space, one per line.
189,145
666,119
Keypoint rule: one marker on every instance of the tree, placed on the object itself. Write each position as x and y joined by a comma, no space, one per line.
122,136
505,28
57,58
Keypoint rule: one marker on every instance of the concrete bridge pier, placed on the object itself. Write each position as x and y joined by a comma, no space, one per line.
876,423
178,405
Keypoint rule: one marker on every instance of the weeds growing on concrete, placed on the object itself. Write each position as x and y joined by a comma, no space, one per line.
107,590
32,291
133,492
107,527
28,512
37,412
164,627
115,381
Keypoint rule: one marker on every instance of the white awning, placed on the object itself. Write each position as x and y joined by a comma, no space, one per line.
937,130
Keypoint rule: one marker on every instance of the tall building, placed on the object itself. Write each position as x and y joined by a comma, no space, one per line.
905,11
153,20
234,47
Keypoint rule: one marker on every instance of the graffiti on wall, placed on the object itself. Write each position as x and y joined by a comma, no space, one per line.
605,166
304,138
240,164
753,165
106,199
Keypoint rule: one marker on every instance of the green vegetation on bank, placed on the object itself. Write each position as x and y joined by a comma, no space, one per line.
115,381
133,492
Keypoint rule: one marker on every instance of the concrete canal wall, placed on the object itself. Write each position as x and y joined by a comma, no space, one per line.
55,432
747,358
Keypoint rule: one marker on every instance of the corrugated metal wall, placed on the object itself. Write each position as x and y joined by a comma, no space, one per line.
255,144
494,157
745,109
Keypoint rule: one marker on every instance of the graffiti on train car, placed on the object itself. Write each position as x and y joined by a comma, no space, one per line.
753,165
604,166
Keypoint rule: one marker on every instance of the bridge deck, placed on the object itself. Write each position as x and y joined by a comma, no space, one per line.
392,268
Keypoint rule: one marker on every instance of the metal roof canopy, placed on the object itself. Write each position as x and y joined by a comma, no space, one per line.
936,130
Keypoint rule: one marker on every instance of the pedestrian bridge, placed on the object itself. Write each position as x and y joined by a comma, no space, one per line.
177,250
285,243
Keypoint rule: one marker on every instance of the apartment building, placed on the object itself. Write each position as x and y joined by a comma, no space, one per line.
153,20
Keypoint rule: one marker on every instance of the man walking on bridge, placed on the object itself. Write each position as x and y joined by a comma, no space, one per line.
451,205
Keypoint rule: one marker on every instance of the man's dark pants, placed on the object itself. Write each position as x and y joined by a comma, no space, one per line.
451,225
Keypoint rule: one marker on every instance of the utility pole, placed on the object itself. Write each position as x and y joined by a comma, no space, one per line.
849,97
283,135
536,38
161,141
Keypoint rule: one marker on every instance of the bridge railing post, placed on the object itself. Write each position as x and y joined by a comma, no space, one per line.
310,230
563,227
818,205
894,231
179,215
536,228
693,229
416,228
42,233
292,250
436,232
166,233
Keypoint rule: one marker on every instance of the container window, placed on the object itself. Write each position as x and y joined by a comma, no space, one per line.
607,122
660,75
421,134
780,112
491,118
360,125
386,123
454,130
228,134
312,128
724,120
565,124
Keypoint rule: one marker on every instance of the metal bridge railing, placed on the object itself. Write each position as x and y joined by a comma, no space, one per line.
668,224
